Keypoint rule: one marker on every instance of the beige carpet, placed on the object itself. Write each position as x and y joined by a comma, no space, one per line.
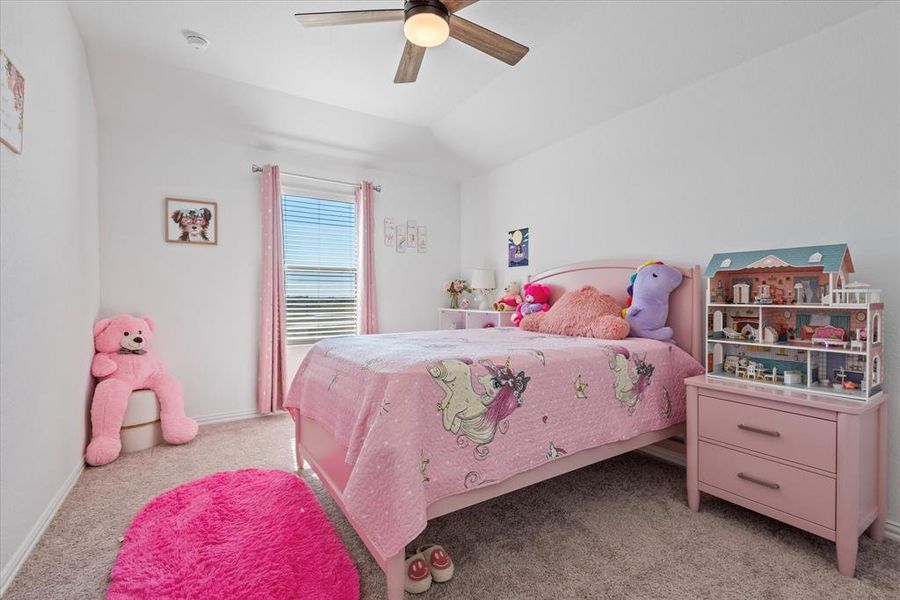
619,529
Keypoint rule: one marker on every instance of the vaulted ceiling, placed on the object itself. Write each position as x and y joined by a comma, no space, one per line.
589,62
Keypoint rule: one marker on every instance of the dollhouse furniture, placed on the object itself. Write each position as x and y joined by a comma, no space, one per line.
742,293
816,462
467,318
803,290
829,336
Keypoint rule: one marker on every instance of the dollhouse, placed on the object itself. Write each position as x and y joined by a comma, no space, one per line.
791,318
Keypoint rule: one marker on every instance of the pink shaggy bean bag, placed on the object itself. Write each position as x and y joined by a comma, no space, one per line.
586,312
125,362
249,535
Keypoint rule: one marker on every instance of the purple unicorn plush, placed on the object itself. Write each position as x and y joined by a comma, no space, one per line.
648,302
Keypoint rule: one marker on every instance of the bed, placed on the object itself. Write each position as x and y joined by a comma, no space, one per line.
403,428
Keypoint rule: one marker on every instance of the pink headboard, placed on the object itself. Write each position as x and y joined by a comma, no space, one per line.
611,277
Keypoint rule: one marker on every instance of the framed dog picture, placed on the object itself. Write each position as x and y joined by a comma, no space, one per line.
192,221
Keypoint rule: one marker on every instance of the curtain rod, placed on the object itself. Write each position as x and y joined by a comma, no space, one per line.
258,169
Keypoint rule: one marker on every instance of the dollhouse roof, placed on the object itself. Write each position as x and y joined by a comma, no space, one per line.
829,257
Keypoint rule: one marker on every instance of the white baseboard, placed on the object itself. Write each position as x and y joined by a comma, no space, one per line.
891,528
24,550
236,415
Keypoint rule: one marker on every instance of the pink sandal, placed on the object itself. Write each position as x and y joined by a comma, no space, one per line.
439,562
418,575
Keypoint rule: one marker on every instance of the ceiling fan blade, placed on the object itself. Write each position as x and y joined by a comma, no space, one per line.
410,62
486,40
351,17
456,5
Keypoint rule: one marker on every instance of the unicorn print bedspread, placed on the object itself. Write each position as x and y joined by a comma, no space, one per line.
426,415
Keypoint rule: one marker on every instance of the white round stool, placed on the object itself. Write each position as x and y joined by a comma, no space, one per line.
141,428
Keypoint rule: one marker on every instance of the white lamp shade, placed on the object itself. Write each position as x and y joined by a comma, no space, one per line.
482,279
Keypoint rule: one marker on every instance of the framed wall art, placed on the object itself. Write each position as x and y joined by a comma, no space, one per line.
423,238
12,105
389,232
192,221
401,238
518,247
412,235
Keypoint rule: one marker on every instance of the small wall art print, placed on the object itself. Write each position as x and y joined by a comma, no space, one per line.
401,238
12,105
389,232
192,222
423,238
412,235
518,247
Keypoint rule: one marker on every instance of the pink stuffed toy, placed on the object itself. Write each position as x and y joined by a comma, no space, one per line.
124,363
585,312
537,298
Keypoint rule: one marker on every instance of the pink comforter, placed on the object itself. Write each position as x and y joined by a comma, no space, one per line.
429,414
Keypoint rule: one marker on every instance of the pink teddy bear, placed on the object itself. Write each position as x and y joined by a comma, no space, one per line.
124,363
537,299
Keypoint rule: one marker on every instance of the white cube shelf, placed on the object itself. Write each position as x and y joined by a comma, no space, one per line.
463,318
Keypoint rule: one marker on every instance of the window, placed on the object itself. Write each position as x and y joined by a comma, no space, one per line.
320,268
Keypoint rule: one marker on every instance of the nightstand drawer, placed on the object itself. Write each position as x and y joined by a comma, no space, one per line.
797,438
788,489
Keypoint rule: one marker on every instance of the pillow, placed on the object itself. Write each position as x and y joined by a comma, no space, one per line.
586,312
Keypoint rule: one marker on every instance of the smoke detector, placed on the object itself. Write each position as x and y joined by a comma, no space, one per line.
197,41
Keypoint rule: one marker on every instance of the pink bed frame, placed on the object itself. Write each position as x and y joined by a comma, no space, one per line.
320,451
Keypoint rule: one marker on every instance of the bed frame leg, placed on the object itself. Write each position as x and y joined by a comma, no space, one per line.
298,454
394,576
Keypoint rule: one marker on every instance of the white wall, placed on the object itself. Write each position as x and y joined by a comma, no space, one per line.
50,285
205,299
798,146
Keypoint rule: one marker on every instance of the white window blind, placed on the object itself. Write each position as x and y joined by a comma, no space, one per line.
320,268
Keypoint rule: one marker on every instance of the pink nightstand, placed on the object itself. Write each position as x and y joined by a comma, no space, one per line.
815,462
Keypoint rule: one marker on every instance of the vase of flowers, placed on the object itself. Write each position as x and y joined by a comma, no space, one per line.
455,288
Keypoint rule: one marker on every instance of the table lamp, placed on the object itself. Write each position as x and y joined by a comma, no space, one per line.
482,283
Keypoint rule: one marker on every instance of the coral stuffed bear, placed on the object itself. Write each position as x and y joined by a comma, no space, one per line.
537,299
585,312
124,363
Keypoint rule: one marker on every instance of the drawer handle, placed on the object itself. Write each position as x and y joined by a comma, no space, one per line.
762,482
758,430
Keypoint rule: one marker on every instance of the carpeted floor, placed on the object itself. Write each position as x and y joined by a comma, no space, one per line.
619,529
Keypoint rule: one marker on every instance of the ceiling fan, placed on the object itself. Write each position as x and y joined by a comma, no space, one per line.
426,23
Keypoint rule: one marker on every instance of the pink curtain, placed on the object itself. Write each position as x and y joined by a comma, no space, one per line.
271,385
365,221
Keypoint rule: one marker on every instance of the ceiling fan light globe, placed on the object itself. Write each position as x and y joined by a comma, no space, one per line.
426,29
